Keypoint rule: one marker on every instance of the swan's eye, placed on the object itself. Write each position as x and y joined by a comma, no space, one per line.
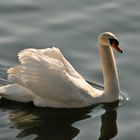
115,41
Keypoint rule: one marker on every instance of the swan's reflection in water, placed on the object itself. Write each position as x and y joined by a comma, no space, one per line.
56,124
109,126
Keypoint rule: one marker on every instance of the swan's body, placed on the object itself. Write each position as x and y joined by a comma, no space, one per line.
49,80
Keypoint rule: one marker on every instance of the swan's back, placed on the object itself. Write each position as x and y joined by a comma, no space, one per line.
49,75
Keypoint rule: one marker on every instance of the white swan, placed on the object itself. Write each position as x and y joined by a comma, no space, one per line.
49,80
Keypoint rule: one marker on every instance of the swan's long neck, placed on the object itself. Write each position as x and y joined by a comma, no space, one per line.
110,75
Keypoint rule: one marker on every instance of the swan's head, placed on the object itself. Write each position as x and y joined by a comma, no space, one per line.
108,39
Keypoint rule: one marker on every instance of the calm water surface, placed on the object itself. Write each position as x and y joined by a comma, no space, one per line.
73,26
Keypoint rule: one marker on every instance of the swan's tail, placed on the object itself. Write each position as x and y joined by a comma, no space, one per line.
16,92
3,83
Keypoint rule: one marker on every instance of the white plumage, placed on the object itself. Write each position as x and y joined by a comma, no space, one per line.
49,80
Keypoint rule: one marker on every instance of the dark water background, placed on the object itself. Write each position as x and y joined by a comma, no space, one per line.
73,26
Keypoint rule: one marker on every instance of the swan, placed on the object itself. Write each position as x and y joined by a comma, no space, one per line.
47,79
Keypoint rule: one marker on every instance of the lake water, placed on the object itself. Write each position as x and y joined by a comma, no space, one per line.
73,26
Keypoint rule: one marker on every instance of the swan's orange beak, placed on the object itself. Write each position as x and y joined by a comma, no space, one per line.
116,47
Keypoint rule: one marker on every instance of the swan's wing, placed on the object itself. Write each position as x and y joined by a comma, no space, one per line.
47,74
